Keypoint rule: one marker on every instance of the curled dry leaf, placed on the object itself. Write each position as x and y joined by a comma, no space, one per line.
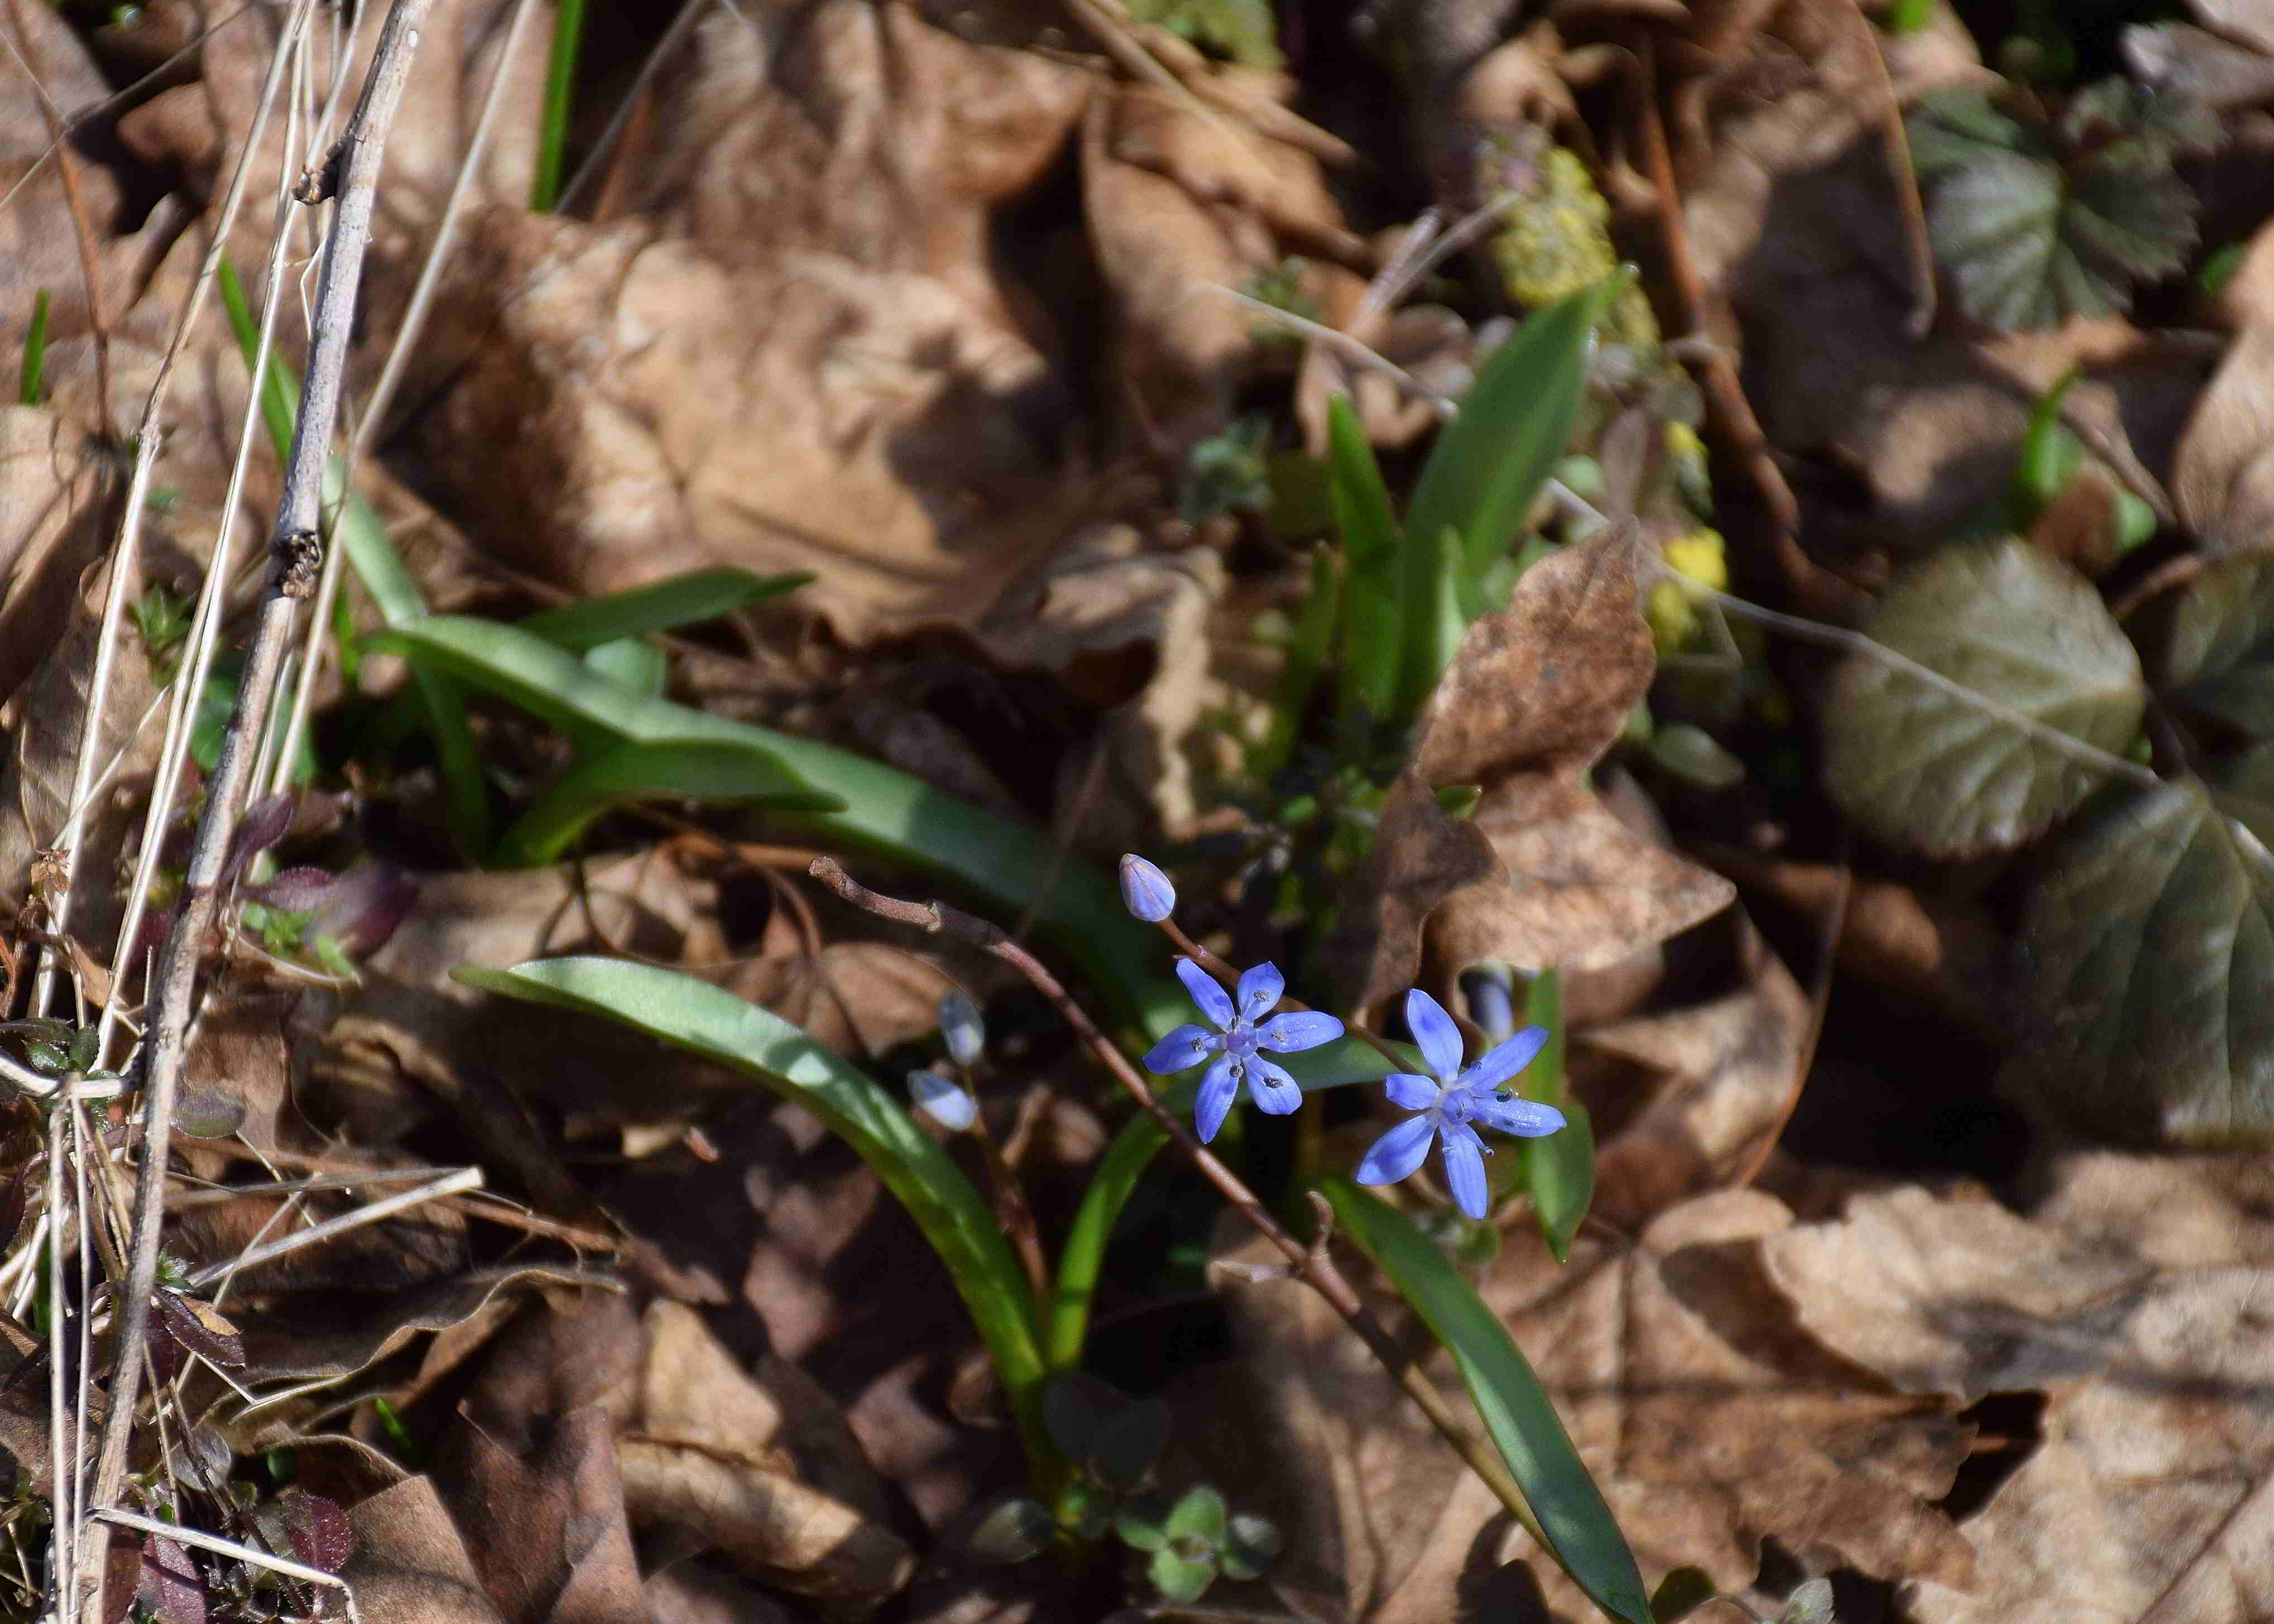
1541,874
2131,1300
1709,1418
763,1468
2223,484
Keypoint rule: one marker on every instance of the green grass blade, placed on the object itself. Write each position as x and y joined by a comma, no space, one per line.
1557,1171
1490,462
1517,1414
1001,865
1371,623
687,600
31,378
1082,1257
357,529
560,90
676,769
708,1021
1306,660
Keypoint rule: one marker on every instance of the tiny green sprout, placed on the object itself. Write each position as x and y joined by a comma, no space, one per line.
161,499
280,931
1192,1539
1227,472
173,1271
1281,287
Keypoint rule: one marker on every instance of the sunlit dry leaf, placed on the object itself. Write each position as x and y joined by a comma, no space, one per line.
1543,875
707,1447
2145,1499
859,998
2223,484
410,1562
1710,1419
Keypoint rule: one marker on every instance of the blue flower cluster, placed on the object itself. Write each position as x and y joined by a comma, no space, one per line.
1448,1106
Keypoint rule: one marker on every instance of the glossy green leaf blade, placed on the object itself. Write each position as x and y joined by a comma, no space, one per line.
1367,531
708,1021
686,599
2035,651
1490,462
1001,865
32,373
1517,1414
357,529
632,662
1559,1170
676,770
560,94
2147,964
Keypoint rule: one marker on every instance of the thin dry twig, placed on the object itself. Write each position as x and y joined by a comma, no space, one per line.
297,560
1314,1267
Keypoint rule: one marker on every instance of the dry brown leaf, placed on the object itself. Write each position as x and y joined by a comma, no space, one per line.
1693,1091
781,1491
410,1564
1711,1420
2225,481
54,521
859,998
2246,20
2132,1300
1541,874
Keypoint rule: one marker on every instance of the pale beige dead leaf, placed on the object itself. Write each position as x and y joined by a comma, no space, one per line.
859,998
55,487
762,1468
1709,1418
1694,1091
1547,875
2225,481
2196,64
410,1563
2132,1300
2251,20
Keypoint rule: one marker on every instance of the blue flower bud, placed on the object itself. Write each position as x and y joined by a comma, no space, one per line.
960,1025
942,1100
1145,890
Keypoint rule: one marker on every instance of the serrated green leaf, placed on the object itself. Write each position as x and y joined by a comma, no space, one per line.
2146,959
1519,1416
1923,767
2033,229
716,1025
2215,650
670,770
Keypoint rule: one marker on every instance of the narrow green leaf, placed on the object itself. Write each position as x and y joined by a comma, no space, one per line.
1681,1593
1490,462
1517,1414
1082,1257
1435,614
2051,455
31,377
1305,658
1002,865
632,662
1558,1170
686,599
1368,534
675,769
708,1021
356,527
560,90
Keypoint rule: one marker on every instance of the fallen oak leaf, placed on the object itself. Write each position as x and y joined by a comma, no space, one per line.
1541,874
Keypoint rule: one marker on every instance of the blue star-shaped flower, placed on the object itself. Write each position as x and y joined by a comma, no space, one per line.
1236,1043
1447,1105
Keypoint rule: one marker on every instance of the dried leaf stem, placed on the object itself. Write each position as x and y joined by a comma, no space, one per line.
1313,1266
296,552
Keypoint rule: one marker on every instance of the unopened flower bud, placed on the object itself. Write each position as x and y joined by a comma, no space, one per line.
1145,890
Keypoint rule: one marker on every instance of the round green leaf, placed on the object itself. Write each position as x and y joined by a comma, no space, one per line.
2147,964
2039,656
1180,1578
2217,651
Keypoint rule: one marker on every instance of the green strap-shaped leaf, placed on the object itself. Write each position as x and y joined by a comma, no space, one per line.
685,599
1558,1170
1581,1534
715,1024
1371,624
1001,865
676,769
1490,462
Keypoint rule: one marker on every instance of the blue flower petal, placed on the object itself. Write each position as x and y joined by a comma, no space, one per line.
1408,1092
942,1100
1213,1100
1464,1167
1214,1002
1145,890
1506,1061
1525,1119
1272,1087
1187,1046
1298,1029
1398,1152
1440,1039
1260,991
